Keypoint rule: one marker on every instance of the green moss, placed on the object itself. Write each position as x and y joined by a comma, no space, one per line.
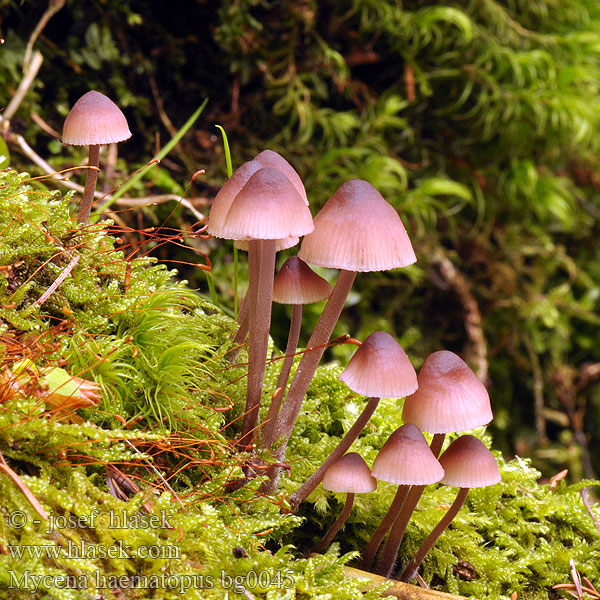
171,401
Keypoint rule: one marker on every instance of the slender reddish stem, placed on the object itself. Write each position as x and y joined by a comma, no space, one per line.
90,184
284,374
310,359
306,370
392,545
328,538
411,568
260,293
241,334
386,523
315,479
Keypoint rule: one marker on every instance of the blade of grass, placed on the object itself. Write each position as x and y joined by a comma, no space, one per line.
159,156
235,250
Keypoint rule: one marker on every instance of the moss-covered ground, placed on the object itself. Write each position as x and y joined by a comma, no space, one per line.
168,411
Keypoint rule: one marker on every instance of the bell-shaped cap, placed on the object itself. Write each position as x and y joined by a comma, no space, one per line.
449,398
268,207
349,474
94,120
269,158
380,368
406,459
468,463
231,188
358,230
297,283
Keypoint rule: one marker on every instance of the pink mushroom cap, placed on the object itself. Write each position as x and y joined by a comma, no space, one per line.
297,283
358,230
94,120
468,463
406,459
380,368
349,474
449,398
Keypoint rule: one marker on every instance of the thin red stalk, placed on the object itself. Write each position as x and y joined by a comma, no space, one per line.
411,568
262,271
284,374
306,370
386,523
392,545
328,538
310,360
315,479
90,184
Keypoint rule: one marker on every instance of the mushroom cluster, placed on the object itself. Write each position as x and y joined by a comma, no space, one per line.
263,208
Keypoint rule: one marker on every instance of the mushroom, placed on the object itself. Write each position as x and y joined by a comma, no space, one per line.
94,120
378,369
225,197
449,398
295,284
356,230
405,459
467,464
268,208
351,475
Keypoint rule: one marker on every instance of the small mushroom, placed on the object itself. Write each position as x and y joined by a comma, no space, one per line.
467,464
405,459
379,369
93,121
351,475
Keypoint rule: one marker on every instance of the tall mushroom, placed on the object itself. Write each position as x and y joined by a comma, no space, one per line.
356,230
93,121
450,398
295,284
378,369
350,475
268,208
467,464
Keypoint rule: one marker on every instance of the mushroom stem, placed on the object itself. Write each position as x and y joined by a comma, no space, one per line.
306,369
239,338
411,568
286,367
311,358
392,545
328,538
386,523
313,481
261,256
90,184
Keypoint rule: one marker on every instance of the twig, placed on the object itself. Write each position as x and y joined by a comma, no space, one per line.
584,497
58,281
39,509
476,350
53,7
44,126
24,85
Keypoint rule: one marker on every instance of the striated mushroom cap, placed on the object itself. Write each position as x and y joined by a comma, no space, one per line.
349,474
94,120
358,230
406,459
297,283
468,463
450,397
380,368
